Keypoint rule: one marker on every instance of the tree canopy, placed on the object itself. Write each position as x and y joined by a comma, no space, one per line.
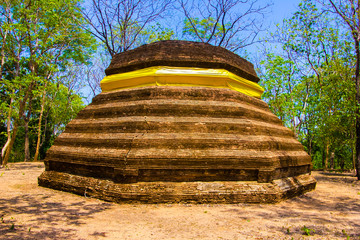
38,41
310,85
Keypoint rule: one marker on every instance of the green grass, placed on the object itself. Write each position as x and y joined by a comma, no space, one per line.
308,231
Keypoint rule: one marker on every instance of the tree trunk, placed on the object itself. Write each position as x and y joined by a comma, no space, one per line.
2,62
342,163
357,84
27,145
22,104
26,126
6,146
3,150
39,127
357,144
326,157
323,159
332,159
354,159
45,128
16,123
11,143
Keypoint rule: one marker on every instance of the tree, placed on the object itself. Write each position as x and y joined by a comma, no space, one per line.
231,24
119,24
43,36
281,83
348,11
308,84
62,105
155,33
13,36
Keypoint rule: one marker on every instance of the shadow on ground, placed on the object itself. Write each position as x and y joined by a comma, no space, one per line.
27,166
336,177
317,211
46,218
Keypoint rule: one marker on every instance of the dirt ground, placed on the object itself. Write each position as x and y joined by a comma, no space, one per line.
28,211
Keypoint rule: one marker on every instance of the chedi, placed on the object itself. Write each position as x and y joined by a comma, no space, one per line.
179,121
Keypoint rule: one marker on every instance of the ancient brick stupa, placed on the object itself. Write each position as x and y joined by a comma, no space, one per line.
179,122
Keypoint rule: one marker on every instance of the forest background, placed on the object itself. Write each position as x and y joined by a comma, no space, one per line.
53,54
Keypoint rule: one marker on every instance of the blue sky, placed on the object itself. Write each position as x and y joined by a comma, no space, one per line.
282,9
277,12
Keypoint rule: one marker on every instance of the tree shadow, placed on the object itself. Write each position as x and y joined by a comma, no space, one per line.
26,166
49,219
336,177
322,213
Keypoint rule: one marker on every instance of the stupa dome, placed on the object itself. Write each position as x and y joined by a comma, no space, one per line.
179,121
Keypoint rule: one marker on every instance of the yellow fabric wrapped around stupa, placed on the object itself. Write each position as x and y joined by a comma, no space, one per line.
181,76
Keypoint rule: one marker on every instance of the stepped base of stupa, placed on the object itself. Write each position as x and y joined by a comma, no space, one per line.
229,192
165,144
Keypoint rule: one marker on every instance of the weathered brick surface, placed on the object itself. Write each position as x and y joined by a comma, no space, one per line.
181,54
177,136
174,192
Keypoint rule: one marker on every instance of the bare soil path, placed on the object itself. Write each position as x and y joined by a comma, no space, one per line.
27,211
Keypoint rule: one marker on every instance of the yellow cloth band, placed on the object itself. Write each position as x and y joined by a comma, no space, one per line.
181,76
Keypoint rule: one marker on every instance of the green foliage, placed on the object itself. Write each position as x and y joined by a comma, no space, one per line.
157,33
147,35
62,106
309,85
307,231
203,29
346,235
281,90
39,40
